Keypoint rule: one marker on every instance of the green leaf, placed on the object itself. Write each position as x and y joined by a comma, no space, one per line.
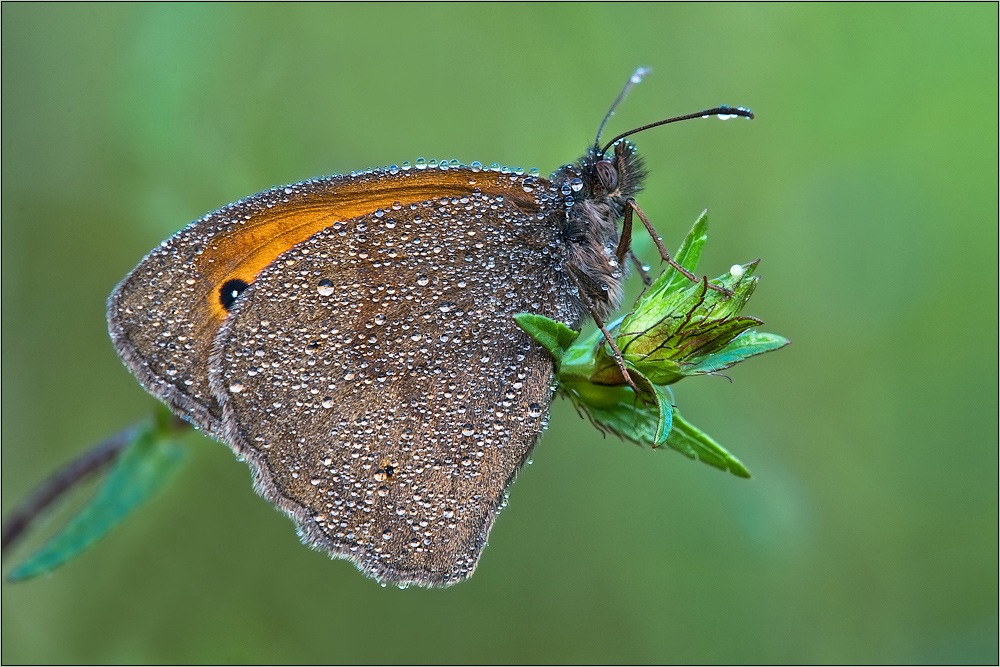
660,299
616,408
744,346
742,287
141,470
665,414
687,255
657,425
554,336
623,416
690,441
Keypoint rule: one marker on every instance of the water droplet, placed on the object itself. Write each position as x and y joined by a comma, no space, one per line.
534,410
236,387
327,403
325,287
736,271
468,430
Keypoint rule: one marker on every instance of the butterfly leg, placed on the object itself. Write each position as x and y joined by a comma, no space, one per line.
579,279
625,248
641,268
630,205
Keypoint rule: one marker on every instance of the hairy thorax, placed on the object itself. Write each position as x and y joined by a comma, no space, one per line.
594,202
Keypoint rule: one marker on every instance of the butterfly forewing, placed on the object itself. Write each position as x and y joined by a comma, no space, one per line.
164,316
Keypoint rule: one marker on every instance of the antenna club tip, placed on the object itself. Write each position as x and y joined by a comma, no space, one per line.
726,112
639,73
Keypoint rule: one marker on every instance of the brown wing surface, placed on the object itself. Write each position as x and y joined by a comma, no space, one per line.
376,382
164,316
369,368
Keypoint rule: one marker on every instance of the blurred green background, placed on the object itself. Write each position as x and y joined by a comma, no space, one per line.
867,184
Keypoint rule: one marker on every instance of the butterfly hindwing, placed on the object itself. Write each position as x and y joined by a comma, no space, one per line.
375,379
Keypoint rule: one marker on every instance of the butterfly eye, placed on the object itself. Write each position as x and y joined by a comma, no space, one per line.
608,175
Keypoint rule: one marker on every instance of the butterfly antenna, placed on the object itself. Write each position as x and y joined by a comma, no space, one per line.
632,80
723,112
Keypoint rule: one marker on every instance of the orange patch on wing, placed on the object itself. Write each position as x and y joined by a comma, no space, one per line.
246,252
249,248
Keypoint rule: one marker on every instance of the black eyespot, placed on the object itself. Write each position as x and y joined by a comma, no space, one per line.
229,291
608,175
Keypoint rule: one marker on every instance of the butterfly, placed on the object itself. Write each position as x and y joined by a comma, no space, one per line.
351,337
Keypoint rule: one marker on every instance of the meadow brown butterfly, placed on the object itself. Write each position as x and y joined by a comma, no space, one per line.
352,338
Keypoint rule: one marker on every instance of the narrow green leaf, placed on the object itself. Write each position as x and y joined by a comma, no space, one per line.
656,302
665,416
141,470
655,426
554,336
624,418
688,254
671,280
689,440
744,346
646,421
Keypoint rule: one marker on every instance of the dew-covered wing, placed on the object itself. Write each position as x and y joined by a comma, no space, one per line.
165,314
376,382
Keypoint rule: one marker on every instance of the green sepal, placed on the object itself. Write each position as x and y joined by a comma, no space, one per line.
142,469
692,442
677,328
665,339
616,409
744,346
653,424
590,360
554,336
665,413
687,255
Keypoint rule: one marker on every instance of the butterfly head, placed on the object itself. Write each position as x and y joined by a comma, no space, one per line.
610,177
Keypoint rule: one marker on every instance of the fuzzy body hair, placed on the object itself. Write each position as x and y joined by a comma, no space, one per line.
590,227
